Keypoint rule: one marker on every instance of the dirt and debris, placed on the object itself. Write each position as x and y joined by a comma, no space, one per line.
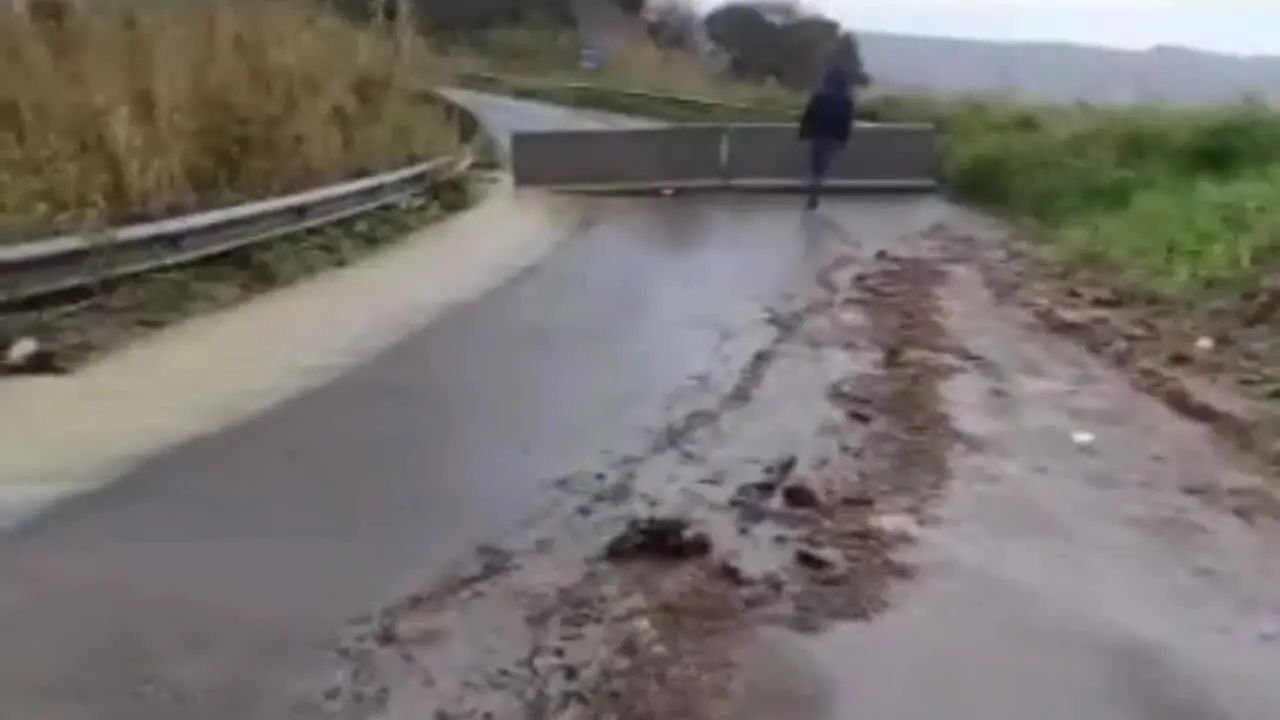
636,600
638,607
1214,361
816,558
800,496
657,539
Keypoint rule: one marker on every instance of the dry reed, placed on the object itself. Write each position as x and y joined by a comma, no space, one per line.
117,111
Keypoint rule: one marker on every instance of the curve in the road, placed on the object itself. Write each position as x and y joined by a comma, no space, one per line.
501,116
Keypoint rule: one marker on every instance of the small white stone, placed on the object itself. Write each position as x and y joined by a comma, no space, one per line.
1205,344
897,525
668,192
21,351
1083,437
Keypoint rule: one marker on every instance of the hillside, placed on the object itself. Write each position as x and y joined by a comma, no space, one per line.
1063,72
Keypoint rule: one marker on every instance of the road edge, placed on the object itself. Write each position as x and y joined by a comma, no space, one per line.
63,436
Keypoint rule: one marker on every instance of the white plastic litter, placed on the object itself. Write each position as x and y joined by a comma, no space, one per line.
1083,437
21,351
897,525
1205,344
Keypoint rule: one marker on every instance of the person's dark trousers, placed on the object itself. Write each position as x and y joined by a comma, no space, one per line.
821,151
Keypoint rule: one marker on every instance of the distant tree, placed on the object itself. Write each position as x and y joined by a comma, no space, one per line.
747,37
464,17
674,26
775,41
847,55
630,7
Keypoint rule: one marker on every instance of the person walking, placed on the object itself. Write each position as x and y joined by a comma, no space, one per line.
826,124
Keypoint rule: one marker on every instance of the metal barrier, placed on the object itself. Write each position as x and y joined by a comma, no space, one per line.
685,155
765,157
878,157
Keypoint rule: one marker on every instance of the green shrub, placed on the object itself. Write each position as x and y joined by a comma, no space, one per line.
1178,200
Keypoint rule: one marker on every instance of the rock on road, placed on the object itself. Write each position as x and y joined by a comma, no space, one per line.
678,346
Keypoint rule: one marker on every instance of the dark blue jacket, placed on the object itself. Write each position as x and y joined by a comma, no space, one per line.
829,114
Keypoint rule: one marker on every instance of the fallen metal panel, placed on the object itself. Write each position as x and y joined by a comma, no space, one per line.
633,156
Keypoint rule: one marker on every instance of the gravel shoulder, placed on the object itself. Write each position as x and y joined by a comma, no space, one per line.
1212,361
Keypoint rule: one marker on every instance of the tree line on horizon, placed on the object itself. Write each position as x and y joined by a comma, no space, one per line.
757,41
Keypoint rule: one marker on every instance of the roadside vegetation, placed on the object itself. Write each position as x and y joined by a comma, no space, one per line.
124,110
119,111
1174,202
1177,202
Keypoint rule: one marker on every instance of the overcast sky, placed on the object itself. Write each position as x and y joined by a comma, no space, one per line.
1226,25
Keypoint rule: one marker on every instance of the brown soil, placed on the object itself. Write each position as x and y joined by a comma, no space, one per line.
1217,363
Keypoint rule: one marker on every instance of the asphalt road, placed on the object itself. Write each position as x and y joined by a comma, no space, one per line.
206,582
504,115
209,584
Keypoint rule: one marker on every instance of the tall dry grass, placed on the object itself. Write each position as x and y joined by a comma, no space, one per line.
120,109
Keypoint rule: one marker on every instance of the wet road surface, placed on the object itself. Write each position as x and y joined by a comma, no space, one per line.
1050,578
695,357
184,586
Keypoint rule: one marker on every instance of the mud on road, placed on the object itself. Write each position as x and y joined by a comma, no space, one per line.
1212,360
634,595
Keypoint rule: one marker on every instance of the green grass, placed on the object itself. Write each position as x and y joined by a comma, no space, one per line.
1178,202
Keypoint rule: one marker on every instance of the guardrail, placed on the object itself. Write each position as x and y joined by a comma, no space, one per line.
37,268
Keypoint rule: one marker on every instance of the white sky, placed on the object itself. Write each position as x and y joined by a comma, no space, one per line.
1227,26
